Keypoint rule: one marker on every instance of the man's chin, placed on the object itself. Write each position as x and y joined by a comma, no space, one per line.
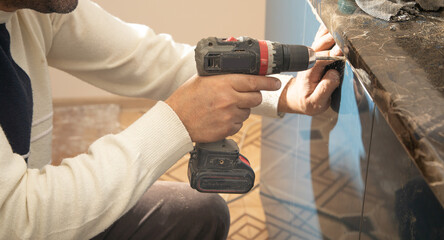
66,6
57,6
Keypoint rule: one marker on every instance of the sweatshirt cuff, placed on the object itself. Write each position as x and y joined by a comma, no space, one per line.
270,99
159,137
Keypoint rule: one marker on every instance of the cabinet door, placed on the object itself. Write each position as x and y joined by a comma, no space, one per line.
399,204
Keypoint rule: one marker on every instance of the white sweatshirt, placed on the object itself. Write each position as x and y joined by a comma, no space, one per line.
87,193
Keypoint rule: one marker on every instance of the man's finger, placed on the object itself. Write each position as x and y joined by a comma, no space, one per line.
315,73
242,115
336,51
249,99
236,127
322,30
325,88
323,43
251,83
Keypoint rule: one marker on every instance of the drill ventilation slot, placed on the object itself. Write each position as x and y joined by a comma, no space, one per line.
213,61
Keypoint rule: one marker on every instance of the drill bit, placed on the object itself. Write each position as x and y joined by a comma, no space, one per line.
333,58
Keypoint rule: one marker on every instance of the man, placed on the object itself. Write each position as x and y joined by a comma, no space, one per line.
103,194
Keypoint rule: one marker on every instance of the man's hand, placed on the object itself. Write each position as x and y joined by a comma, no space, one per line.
212,108
309,93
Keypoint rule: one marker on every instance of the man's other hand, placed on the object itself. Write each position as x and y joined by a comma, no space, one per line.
212,108
309,93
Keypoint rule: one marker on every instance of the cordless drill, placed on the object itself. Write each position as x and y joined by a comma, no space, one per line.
218,167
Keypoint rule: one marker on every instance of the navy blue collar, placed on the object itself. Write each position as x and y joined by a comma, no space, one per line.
16,103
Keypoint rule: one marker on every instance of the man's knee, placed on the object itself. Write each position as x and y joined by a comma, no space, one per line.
173,211
212,215
204,214
214,207
206,207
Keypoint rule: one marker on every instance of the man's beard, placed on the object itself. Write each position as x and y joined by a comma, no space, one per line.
54,6
43,6
61,6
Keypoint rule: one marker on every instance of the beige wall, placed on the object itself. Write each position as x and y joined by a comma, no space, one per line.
186,20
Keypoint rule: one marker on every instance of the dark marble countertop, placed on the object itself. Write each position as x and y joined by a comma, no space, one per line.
402,67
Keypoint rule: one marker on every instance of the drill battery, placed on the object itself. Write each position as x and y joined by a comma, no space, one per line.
218,167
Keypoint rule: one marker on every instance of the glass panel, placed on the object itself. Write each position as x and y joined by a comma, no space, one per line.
313,168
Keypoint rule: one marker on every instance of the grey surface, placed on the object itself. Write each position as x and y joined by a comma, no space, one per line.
397,10
383,9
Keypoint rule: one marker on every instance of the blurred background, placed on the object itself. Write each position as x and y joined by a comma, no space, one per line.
186,21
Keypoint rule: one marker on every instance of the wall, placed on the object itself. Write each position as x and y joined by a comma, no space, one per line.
186,21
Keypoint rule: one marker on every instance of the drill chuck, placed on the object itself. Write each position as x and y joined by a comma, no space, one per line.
246,55
295,58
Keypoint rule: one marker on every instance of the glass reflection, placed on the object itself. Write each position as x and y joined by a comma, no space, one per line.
347,149
312,177
313,168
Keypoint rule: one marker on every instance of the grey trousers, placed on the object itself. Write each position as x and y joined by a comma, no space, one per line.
172,210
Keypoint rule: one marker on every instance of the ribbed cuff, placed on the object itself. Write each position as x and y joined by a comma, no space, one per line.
160,137
270,99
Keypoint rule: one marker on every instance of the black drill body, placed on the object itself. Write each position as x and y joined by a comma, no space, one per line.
219,167
250,56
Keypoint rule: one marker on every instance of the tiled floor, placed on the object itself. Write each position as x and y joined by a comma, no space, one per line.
78,124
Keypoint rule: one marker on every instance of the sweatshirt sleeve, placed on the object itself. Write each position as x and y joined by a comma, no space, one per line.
87,193
126,59
270,99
